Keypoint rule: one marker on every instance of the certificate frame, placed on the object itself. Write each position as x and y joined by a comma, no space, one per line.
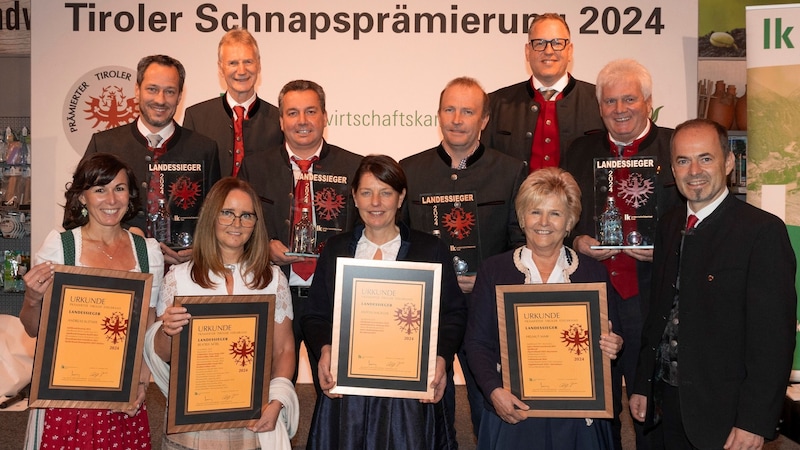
205,392
383,305
101,312
562,372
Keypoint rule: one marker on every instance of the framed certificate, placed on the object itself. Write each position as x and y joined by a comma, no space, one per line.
91,335
550,348
221,363
385,327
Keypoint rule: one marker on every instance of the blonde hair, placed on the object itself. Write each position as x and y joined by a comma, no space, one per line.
544,183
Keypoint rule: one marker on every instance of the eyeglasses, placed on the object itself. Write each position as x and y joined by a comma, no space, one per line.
557,44
227,217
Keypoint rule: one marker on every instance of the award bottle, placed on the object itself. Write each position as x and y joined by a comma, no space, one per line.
304,236
161,223
611,224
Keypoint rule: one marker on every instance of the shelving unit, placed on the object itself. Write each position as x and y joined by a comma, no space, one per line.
11,302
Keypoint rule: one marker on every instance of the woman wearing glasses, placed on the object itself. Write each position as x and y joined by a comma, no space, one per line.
230,257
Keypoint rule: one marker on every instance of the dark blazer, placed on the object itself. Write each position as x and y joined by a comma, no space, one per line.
579,162
128,144
482,341
494,178
737,319
416,246
512,120
271,175
214,118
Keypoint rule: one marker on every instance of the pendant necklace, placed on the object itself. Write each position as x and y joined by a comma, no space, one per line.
111,256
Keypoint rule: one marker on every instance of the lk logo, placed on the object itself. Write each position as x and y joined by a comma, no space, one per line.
781,35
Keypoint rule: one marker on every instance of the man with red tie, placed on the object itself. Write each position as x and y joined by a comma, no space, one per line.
718,343
169,161
624,92
304,172
239,121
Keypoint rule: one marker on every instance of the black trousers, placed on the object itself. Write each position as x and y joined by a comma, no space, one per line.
299,299
671,429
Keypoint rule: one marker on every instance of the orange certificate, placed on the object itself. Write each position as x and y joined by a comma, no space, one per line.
555,350
221,355
93,322
550,348
385,329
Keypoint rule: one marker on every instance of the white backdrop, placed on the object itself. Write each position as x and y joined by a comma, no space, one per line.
365,61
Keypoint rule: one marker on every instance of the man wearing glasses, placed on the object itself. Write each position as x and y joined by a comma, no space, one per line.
536,120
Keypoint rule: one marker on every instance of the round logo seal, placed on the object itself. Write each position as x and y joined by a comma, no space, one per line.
101,99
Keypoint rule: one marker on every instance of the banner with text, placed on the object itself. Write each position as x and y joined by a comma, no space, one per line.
773,116
382,64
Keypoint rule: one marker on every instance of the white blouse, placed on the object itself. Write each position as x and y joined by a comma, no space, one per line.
179,282
53,251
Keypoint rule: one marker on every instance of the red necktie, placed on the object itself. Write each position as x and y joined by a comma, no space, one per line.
691,221
238,139
302,199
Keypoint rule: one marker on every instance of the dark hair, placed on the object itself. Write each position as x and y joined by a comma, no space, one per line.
722,133
385,169
302,85
97,170
164,60
205,249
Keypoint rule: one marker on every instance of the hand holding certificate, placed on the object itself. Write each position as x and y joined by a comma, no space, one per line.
99,311
385,328
550,347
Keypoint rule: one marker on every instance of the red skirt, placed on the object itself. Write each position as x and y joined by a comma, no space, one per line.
82,429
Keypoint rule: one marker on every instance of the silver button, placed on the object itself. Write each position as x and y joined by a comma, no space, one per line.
535,108
454,177
673,343
548,122
148,158
528,134
547,157
546,140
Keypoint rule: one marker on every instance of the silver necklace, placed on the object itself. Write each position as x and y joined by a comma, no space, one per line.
110,257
